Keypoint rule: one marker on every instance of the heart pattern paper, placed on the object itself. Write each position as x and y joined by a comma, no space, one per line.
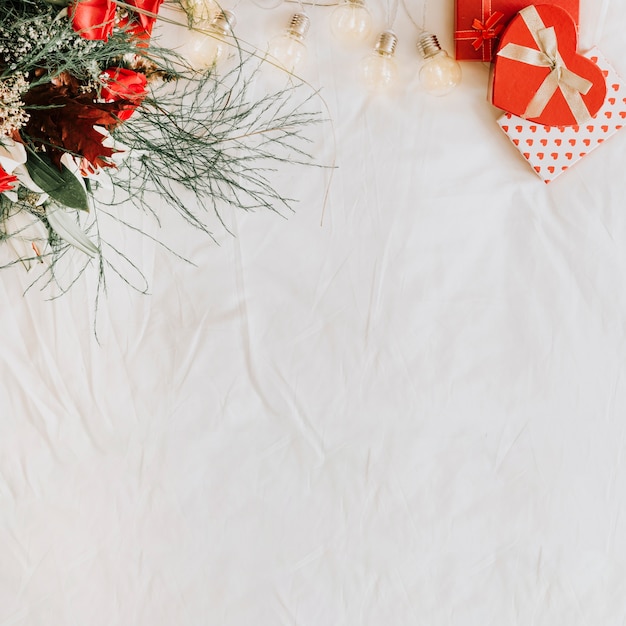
538,73
553,150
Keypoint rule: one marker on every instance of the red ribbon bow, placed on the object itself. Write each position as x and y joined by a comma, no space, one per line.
483,33
489,30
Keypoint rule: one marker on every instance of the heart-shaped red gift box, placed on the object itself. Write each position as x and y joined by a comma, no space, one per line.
538,73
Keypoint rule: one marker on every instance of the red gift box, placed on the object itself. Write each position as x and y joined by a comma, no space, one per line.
478,24
538,73
552,150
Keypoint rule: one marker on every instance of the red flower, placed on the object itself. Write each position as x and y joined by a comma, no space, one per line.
63,119
123,84
141,24
93,19
6,181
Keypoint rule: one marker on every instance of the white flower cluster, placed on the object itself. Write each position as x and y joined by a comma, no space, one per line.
12,113
21,41
44,36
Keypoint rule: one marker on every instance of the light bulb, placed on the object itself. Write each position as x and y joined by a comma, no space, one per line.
289,50
204,51
440,73
378,70
351,22
201,10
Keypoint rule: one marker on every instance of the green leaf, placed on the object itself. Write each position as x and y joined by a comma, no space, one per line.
61,185
65,226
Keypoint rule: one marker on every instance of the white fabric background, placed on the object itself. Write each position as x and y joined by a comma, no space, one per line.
413,414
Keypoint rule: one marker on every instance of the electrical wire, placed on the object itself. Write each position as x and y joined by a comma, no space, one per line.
392,13
421,28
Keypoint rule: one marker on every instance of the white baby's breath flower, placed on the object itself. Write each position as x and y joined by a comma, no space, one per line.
12,113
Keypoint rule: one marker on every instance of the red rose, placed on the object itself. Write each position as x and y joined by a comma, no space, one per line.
139,24
123,84
93,19
6,181
144,23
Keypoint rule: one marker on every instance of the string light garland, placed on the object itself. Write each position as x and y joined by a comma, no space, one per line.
350,23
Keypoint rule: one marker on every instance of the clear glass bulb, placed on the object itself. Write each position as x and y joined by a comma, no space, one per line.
288,51
379,72
440,73
204,51
351,22
201,10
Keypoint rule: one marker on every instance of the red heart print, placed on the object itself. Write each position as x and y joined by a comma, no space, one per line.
582,154
605,128
540,156
555,155
622,114
530,142
608,114
533,129
527,155
587,142
568,156
558,142
537,169
590,128
544,142
611,101
572,142
516,142
551,169
547,129
615,87
515,83
519,129
505,129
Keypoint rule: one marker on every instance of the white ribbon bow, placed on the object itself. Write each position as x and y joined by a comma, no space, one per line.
571,85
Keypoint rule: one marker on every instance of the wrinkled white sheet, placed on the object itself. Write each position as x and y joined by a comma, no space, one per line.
412,414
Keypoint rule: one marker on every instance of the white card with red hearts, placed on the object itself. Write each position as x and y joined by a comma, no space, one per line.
552,150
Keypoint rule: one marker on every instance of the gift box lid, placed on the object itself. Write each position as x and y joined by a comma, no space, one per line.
539,74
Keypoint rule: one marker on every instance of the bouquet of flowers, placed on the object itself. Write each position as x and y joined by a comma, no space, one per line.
95,115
